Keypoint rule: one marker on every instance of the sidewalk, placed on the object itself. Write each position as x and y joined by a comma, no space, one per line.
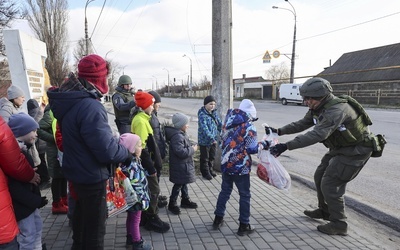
277,216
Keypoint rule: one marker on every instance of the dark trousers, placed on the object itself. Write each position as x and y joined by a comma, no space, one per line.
89,218
154,189
58,188
176,189
337,168
207,157
42,169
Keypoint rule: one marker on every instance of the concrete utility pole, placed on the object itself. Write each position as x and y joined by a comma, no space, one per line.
222,55
222,61
86,28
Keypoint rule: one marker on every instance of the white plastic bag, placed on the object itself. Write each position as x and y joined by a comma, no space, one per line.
269,169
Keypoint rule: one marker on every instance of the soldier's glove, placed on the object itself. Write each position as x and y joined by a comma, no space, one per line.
43,201
278,149
265,144
269,129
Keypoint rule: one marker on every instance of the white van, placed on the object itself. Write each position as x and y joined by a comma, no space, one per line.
290,92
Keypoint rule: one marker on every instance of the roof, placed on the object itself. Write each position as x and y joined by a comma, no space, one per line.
375,64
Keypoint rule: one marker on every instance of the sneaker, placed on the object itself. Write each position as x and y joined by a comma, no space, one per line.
141,245
218,222
162,203
174,208
187,203
334,228
317,214
245,229
59,208
154,223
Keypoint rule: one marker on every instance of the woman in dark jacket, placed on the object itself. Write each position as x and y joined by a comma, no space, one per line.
181,164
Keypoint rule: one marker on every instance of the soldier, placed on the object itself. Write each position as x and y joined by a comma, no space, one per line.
343,129
123,102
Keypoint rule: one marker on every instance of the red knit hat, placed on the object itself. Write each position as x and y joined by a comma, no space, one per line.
94,69
143,99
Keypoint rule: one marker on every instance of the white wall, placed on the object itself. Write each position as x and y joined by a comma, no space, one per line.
26,56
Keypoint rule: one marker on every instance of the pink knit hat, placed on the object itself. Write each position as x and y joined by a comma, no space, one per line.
129,141
94,69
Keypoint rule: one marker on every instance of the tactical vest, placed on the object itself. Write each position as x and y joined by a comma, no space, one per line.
352,133
123,114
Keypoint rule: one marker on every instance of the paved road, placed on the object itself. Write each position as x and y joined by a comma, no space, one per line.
377,184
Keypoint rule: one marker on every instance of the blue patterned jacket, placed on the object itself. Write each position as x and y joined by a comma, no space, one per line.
209,127
239,140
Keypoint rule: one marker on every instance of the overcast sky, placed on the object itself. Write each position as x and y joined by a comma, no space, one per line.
148,36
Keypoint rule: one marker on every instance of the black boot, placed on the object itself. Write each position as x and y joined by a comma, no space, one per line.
205,172
317,214
218,222
187,203
245,229
161,203
154,223
212,173
173,207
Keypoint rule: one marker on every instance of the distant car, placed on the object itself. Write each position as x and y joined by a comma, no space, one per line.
290,92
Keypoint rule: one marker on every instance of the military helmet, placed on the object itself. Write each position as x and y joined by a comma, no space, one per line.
124,79
315,87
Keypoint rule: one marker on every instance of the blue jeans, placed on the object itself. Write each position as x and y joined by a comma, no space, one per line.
242,183
178,188
12,245
30,235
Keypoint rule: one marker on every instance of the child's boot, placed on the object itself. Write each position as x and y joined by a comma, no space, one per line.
59,208
141,245
173,207
187,203
64,200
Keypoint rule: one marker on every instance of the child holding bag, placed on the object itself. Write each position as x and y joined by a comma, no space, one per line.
137,177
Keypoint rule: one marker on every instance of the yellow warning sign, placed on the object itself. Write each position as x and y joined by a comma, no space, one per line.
266,56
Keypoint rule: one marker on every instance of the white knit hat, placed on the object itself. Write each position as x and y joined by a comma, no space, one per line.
248,106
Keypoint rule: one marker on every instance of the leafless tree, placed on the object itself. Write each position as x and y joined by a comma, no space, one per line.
278,74
48,20
80,51
8,12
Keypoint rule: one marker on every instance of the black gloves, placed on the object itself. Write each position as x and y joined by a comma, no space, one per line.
128,160
274,130
43,201
278,149
265,144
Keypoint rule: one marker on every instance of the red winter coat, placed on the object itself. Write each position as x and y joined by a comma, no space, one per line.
14,164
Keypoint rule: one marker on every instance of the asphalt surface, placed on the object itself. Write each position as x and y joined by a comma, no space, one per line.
277,216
